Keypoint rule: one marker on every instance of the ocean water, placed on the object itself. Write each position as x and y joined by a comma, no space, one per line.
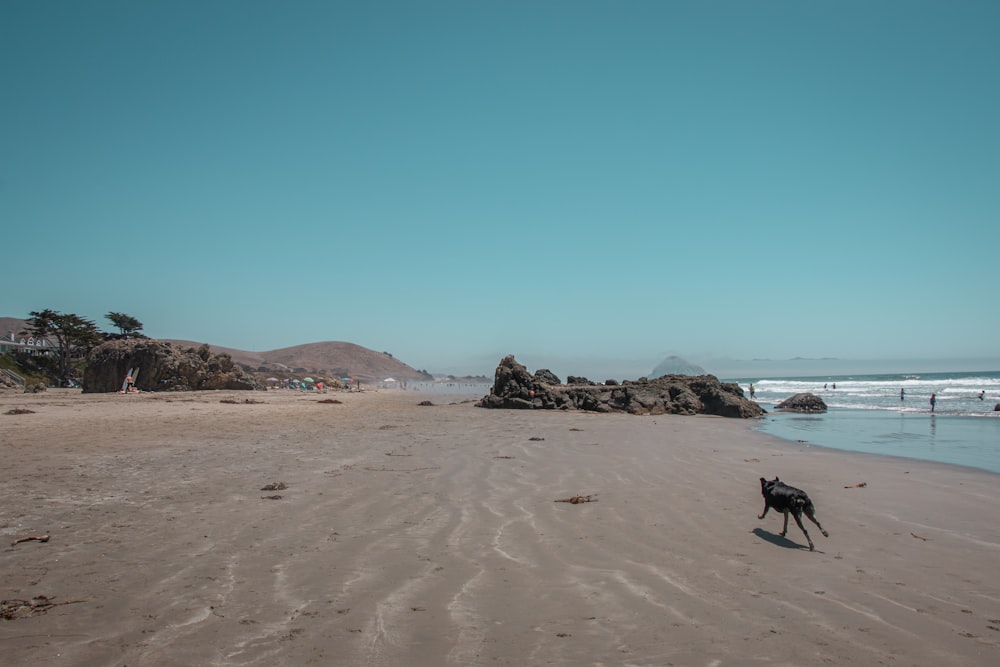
866,414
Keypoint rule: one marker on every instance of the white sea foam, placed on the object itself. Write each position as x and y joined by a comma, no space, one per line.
867,413
954,393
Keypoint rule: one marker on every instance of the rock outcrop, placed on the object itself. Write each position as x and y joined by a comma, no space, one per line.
804,402
515,388
162,366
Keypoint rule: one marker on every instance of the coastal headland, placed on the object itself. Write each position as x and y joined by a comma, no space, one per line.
281,527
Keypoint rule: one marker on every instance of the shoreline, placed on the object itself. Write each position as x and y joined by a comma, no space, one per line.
967,441
428,535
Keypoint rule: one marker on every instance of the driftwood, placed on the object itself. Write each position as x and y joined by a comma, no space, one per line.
859,485
274,497
274,486
11,609
925,539
36,538
576,500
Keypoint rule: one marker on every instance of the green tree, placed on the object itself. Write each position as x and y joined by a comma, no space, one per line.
127,324
74,336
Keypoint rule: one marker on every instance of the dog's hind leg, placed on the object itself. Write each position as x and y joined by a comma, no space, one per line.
784,531
803,529
812,517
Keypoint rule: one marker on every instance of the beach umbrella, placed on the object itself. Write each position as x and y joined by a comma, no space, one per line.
308,380
273,380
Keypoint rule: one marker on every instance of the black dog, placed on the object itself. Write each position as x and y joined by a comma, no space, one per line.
785,499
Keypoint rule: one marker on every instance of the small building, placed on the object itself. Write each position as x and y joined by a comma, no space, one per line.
28,344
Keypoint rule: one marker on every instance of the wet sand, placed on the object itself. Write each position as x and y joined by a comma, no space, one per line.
428,535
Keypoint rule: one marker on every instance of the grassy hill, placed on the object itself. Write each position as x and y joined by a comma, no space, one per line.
326,359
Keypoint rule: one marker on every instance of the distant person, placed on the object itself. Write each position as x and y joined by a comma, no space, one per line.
824,385
834,385
129,384
933,401
902,393
982,395
754,393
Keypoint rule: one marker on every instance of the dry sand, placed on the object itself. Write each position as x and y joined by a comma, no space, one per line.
428,535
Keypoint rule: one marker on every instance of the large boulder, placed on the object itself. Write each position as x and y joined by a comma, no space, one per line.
804,402
546,376
514,387
162,366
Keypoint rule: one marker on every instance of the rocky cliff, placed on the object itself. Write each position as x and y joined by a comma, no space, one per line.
162,366
515,388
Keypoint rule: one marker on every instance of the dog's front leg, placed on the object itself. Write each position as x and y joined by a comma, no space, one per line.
764,513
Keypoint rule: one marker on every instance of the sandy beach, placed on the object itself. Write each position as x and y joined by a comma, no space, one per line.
429,535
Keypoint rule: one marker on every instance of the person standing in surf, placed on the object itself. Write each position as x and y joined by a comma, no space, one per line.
933,401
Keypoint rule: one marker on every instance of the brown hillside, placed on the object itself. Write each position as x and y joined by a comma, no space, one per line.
330,359
11,324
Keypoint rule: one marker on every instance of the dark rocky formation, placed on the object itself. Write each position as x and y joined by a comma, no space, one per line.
547,376
162,366
804,402
514,387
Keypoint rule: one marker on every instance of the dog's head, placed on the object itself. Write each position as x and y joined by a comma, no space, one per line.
766,486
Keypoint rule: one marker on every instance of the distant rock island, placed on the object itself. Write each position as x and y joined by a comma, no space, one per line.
674,365
515,388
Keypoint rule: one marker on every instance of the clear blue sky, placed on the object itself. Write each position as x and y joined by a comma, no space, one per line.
588,185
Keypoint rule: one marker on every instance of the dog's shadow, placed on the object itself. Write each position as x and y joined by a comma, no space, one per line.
778,540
